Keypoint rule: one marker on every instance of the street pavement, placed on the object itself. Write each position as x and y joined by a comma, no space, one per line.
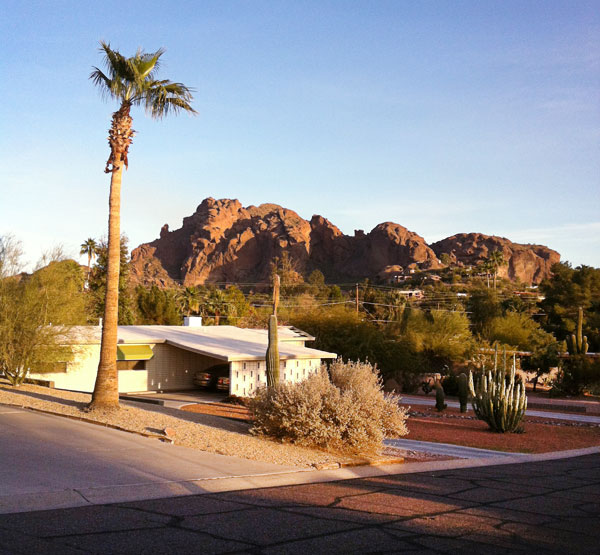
47,461
534,507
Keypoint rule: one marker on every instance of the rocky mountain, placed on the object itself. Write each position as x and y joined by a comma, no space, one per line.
224,241
528,263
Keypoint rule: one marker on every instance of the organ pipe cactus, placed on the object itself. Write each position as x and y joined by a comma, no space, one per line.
273,347
497,399
578,344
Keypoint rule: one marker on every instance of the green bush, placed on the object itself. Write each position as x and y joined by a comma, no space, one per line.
345,410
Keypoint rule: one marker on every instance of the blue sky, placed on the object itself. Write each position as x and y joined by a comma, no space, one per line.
445,117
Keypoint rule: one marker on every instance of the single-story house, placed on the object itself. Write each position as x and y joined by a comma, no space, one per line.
163,358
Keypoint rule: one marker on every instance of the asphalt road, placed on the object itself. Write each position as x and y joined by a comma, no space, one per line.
51,461
536,507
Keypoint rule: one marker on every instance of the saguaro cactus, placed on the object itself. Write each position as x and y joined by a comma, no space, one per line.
440,396
578,344
273,348
463,391
497,399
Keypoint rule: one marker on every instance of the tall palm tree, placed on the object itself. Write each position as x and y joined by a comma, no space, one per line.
89,247
131,82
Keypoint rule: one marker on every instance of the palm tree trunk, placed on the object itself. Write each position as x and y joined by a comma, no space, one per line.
89,266
106,389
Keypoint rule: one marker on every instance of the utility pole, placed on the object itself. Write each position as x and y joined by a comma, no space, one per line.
356,298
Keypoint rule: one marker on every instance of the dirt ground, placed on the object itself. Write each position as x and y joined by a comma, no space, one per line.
540,435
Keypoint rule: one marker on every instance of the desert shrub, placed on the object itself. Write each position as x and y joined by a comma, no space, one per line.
578,374
345,412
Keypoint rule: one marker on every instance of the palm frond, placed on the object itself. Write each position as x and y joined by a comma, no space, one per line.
165,97
133,80
102,81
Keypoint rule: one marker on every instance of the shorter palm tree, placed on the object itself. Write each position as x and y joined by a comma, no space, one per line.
189,300
495,260
217,305
89,247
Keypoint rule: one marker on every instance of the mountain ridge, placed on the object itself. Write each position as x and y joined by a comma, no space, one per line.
225,241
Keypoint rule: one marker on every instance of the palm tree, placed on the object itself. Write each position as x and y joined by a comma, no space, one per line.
189,300
131,82
216,304
89,247
495,260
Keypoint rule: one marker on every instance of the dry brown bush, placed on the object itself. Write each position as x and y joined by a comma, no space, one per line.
346,412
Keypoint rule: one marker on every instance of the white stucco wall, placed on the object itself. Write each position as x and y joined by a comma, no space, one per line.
169,369
81,372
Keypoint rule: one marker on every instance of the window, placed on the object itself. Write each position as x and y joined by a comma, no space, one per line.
131,364
244,366
48,367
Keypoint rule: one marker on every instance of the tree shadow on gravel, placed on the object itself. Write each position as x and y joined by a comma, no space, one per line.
218,422
51,398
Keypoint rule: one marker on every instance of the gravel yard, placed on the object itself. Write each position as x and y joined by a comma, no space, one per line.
198,431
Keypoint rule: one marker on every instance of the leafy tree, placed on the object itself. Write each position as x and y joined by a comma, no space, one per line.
316,281
567,290
11,252
335,293
342,331
285,267
441,335
36,316
238,306
131,82
157,307
97,284
483,306
517,330
543,358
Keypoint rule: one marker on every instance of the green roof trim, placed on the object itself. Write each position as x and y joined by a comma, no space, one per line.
134,352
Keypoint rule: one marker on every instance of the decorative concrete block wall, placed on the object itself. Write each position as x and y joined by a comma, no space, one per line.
247,376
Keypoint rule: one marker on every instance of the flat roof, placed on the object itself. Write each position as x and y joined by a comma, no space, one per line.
227,343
